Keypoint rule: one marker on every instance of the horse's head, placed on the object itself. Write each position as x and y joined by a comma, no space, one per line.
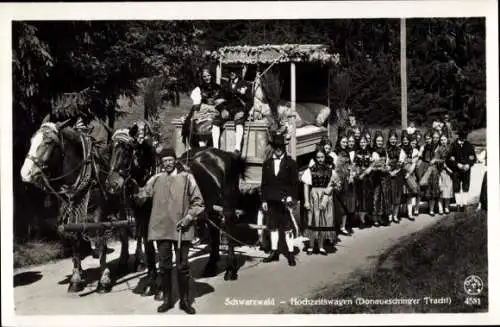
45,154
122,161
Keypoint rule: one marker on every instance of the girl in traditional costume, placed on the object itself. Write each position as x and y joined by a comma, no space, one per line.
318,202
363,183
429,175
396,158
410,187
380,179
445,181
343,167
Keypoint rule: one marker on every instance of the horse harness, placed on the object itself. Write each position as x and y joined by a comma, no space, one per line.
74,198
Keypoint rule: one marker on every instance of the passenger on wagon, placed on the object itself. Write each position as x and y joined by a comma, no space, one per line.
239,101
206,97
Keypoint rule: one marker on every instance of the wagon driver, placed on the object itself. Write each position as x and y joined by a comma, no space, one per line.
177,202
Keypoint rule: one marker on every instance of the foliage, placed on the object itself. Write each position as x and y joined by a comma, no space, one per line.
446,67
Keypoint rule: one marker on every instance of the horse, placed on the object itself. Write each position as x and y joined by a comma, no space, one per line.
132,164
217,174
64,162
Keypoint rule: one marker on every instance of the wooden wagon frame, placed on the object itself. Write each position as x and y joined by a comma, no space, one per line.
303,57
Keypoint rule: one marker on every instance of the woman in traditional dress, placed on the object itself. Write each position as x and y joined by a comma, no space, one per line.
428,173
411,188
327,146
343,167
363,183
368,138
318,202
445,181
380,179
396,158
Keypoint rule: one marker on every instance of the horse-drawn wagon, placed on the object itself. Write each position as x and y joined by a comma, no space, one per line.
304,72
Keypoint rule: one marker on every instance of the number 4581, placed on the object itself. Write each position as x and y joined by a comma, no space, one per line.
473,301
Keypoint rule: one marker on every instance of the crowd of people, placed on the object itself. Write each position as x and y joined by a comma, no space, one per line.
375,180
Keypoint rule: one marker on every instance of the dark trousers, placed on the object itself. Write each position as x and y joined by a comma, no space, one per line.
165,256
461,180
166,265
279,216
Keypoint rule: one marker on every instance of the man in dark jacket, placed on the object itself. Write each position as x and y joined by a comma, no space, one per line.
279,190
177,202
461,158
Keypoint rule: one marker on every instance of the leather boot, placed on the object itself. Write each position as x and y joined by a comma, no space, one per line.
166,290
184,302
273,256
151,287
291,259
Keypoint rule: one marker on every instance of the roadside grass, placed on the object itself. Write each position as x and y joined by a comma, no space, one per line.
430,263
37,252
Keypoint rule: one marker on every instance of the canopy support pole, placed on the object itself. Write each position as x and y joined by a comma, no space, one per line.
218,73
293,99
404,90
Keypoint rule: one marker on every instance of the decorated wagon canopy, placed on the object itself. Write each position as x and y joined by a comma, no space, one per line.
279,53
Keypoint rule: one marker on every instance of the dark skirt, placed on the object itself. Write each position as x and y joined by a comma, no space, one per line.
396,189
381,188
430,191
349,197
364,194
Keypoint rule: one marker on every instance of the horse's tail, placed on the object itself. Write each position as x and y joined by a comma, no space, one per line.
241,167
186,127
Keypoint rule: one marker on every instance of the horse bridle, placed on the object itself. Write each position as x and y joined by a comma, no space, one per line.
41,165
126,172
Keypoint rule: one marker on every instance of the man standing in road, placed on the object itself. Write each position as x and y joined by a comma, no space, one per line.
279,190
177,202
461,158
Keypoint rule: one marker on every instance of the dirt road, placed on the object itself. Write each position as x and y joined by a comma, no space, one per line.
42,289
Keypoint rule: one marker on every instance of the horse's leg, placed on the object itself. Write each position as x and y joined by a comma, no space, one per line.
231,267
151,285
124,254
211,266
139,263
123,235
76,283
105,284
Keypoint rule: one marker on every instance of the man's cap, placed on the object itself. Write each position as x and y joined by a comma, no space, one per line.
277,140
462,135
167,152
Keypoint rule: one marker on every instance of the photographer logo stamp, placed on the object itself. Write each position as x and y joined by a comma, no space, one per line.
473,285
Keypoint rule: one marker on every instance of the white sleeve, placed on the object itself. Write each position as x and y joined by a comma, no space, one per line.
196,96
402,156
306,177
335,158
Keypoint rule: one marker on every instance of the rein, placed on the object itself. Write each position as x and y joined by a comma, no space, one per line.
77,186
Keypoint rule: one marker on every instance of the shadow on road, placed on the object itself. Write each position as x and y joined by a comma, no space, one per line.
27,278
